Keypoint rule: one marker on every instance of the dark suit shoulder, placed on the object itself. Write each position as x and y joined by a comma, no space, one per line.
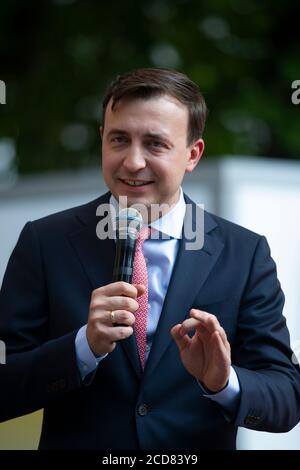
71,218
228,228
239,242
223,228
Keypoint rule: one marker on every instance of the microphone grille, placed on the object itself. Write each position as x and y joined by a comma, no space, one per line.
129,222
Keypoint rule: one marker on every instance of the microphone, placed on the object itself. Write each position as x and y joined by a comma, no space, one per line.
128,225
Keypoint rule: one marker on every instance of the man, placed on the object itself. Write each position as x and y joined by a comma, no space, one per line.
217,352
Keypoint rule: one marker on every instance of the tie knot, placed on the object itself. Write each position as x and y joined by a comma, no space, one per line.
144,233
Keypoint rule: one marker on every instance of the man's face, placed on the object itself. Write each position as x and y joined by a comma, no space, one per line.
144,149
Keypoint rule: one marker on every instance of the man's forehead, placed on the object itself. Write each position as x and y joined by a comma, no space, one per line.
158,115
152,101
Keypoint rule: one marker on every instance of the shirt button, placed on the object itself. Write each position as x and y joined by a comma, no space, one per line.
147,347
143,409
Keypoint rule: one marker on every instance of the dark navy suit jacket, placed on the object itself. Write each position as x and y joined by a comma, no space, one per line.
57,263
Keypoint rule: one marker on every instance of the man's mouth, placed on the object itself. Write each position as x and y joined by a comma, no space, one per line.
136,182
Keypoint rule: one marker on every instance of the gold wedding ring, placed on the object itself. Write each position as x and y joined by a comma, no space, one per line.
112,317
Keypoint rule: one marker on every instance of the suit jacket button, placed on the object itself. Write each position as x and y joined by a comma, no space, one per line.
143,409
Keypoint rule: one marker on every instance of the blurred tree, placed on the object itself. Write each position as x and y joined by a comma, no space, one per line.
58,56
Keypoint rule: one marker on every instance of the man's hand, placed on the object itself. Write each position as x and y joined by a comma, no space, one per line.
206,355
119,297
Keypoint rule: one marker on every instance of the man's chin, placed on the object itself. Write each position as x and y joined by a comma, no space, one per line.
128,201
142,205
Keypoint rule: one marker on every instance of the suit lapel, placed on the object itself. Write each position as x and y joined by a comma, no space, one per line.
96,256
191,269
97,259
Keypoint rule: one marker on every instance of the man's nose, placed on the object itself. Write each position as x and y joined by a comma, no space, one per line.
134,159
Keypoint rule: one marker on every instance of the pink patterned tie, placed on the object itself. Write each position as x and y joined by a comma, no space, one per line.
140,276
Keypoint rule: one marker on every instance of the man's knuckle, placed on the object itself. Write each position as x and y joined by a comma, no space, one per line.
123,287
213,319
123,317
123,333
93,319
93,305
97,292
99,329
131,319
128,303
97,303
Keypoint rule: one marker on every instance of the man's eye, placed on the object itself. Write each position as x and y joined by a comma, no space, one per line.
157,144
118,140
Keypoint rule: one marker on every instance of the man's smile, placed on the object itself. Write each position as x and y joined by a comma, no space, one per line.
135,182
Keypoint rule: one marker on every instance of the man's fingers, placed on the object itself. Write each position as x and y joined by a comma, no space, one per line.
140,289
220,348
188,325
117,289
209,321
224,338
118,333
181,340
119,316
205,323
101,304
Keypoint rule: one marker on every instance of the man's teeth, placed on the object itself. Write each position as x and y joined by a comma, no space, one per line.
136,183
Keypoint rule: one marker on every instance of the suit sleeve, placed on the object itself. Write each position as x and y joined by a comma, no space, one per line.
262,358
34,373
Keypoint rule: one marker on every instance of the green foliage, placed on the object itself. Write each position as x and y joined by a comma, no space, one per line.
58,56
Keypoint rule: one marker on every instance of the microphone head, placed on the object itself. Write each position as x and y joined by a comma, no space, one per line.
129,223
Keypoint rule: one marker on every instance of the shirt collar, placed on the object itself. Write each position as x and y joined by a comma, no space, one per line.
171,223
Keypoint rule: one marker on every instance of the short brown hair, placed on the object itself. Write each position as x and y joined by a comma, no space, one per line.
151,82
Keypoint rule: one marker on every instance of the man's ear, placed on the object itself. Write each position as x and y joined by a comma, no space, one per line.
195,153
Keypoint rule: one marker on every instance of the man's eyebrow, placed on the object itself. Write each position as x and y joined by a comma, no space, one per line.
152,135
117,131
157,135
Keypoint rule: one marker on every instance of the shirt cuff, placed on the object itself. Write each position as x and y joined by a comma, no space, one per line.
228,397
87,362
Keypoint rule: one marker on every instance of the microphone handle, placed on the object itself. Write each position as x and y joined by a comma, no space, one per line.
123,267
